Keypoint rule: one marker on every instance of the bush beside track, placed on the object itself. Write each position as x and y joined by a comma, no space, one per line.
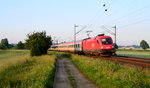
107,74
28,72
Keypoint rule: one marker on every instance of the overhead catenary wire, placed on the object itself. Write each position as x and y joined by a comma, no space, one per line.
105,10
98,16
94,20
130,13
81,30
119,9
134,23
107,30
133,19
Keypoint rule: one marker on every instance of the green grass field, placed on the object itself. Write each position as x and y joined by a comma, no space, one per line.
9,54
106,74
134,53
19,70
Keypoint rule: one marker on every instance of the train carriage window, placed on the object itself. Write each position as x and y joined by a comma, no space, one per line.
76,45
106,41
79,45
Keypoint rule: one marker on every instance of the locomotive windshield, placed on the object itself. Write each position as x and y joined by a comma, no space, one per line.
106,41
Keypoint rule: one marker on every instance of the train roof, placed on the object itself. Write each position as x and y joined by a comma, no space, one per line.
68,43
98,36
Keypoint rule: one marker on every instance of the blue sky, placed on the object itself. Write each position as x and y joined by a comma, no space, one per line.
57,17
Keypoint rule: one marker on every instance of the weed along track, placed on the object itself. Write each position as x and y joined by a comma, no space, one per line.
68,76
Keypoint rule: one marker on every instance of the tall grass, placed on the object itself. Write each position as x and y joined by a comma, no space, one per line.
28,72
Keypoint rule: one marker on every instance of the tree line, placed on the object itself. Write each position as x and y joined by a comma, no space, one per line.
143,44
4,44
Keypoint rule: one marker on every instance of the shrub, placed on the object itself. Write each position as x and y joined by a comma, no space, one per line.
38,43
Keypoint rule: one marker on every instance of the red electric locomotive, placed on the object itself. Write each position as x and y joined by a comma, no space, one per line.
100,45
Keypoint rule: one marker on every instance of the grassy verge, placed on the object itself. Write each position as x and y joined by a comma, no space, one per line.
134,53
106,74
28,72
111,75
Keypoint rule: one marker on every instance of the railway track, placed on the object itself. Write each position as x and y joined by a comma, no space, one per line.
142,62
137,61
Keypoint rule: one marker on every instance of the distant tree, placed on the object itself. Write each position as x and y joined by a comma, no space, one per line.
5,42
20,45
38,43
116,46
144,44
2,46
12,46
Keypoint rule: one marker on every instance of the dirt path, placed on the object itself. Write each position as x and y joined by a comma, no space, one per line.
68,76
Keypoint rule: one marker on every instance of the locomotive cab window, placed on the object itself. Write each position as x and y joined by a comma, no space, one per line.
106,41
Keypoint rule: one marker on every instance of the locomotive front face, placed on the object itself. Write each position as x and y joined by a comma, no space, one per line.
106,43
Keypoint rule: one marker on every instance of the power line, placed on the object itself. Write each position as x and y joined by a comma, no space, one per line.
130,13
106,7
97,17
93,21
112,33
133,19
107,30
117,10
81,29
88,33
144,20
